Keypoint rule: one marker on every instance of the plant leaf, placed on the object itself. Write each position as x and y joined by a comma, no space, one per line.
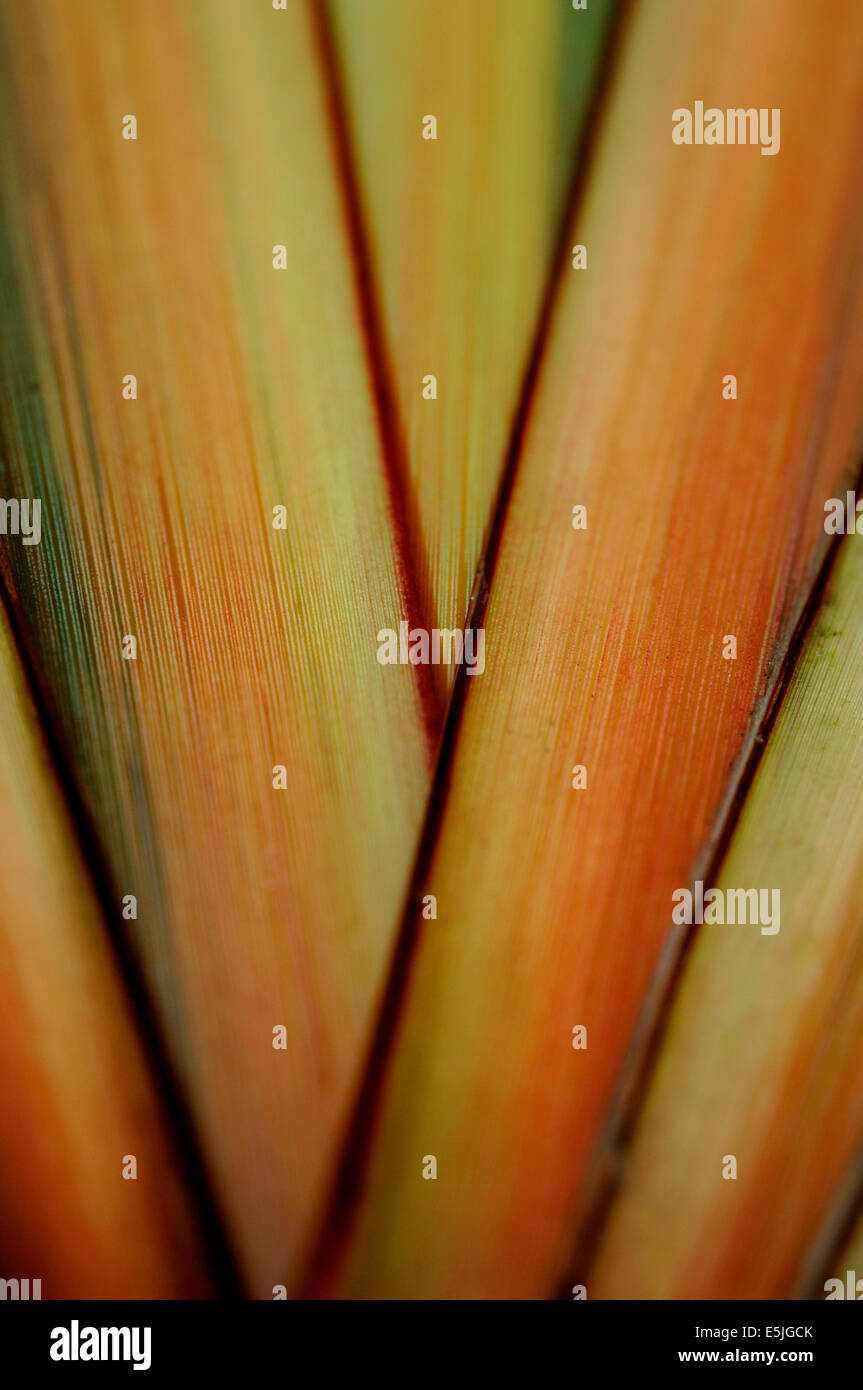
257,648
462,230
77,1094
604,647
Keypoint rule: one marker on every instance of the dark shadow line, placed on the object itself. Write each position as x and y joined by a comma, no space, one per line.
341,1210
411,566
834,1231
